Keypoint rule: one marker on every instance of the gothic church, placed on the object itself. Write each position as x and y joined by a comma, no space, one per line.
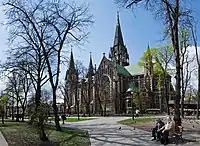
113,86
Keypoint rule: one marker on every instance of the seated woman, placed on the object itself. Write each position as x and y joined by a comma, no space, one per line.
166,130
155,133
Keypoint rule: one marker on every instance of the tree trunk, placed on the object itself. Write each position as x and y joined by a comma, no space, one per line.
17,117
89,98
42,133
65,105
77,101
23,113
182,105
182,87
6,114
55,109
177,118
2,116
166,94
198,93
12,112
152,91
105,109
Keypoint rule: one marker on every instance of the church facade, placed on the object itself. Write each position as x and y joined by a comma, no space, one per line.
115,86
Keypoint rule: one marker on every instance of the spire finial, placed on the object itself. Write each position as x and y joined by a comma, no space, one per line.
90,54
71,48
117,17
95,67
148,47
104,54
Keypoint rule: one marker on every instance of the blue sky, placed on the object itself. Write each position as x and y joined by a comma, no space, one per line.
138,28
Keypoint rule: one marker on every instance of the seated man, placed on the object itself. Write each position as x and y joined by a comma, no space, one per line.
165,130
155,133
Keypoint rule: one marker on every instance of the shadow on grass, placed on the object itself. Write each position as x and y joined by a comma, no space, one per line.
18,134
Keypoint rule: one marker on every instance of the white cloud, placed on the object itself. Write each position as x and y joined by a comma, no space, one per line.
192,65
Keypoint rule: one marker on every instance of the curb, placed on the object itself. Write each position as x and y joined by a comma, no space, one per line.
3,142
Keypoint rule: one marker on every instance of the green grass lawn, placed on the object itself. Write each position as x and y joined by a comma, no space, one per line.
22,134
74,119
137,121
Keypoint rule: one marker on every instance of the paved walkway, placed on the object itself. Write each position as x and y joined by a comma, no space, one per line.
105,132
2,140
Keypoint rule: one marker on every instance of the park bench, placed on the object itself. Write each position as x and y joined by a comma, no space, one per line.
177,136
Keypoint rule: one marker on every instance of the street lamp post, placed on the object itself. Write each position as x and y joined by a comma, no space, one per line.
78,109
77,100
133,111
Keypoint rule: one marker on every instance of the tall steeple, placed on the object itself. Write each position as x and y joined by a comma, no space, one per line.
71,63
118,53
118,40
91,68
71,70
149,61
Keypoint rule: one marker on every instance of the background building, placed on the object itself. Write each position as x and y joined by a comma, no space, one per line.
111,88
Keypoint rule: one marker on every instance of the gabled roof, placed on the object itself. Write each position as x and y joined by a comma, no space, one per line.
121,70
135,69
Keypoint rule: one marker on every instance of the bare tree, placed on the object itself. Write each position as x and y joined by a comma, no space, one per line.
49,26
186,73
194,38
30,61
66,90
164,56
185,60
15,85
63,88
174,14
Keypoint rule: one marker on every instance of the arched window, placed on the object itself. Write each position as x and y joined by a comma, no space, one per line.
129,103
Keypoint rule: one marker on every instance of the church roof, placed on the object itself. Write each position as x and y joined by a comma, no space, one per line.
121,70
134,69
131,70
130,87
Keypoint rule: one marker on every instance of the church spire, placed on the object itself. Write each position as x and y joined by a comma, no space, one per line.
149,61
71,63
118,53
118,40
90,69
71,70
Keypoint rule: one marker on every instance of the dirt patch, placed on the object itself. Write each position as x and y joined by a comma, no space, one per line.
144,126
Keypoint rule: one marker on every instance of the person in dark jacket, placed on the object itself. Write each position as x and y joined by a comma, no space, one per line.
63,118
155,133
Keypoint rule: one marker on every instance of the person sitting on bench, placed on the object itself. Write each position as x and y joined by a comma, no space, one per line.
155,133
169,126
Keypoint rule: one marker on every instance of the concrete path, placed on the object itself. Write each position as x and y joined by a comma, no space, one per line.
105,132
2,140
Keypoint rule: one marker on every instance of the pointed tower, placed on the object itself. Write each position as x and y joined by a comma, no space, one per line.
118,53
71,74
148,62
90,69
